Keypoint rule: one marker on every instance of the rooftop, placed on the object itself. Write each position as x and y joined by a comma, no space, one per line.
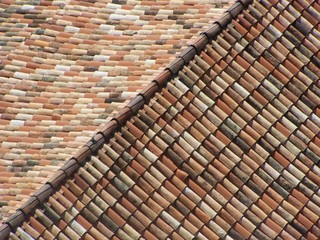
223,143
67,67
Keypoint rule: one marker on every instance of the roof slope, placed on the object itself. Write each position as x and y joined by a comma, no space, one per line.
223,146
66,67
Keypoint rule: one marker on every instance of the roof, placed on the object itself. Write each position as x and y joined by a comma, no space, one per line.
67,67
222,144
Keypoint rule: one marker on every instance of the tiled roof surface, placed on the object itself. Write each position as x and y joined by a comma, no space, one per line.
223,146
67,66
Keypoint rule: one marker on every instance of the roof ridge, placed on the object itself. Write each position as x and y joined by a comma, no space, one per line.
107,131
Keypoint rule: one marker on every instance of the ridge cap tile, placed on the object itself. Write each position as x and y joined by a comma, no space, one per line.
95,142
108,129
15,219
122,116
136,103
82,154
235,9
213,31
59,177
176,65
163,78
200,43
188,54
245,3
44,192
28,206
4,231
149,91
70,166
224,20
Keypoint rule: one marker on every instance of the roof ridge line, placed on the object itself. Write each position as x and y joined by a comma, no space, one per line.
107,131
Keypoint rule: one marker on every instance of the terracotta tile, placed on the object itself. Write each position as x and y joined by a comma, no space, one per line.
36,225
84,222
305,221
293,232
163,226
149,235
